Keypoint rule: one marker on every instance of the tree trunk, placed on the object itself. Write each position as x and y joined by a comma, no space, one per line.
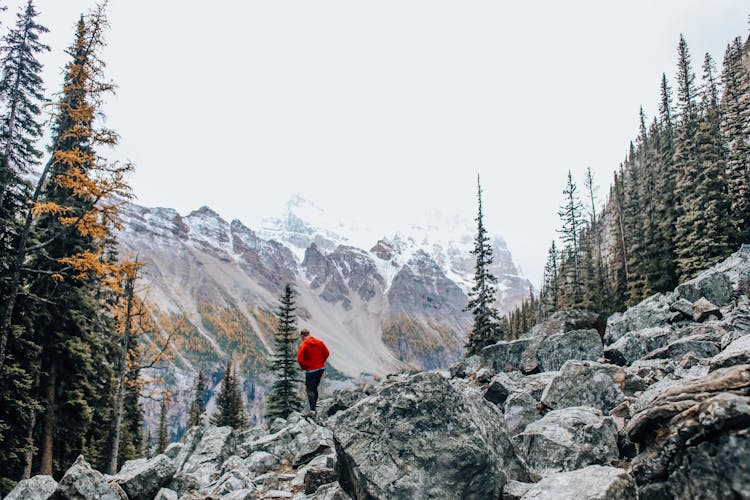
48,429
117,420
28,455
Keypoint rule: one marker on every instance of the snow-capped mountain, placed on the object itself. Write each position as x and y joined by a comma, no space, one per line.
395,302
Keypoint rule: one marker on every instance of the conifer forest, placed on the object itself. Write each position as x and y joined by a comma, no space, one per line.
84,351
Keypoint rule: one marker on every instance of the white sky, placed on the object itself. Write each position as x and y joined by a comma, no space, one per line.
379,111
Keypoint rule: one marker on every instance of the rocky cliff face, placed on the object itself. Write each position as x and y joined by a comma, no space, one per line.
396,303
658,407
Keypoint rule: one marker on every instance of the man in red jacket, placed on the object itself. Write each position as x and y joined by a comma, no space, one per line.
311,356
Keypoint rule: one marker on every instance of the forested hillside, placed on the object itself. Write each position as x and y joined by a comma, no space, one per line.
679,202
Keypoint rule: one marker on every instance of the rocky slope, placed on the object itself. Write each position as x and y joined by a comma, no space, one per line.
654,406
216,284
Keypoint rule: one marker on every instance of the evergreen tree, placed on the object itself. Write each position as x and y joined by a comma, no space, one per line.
688,171
662,253
284,397
162,438
198,406
229,407
22,90
550,287
735,127
571,214
619,263
597,285
487,326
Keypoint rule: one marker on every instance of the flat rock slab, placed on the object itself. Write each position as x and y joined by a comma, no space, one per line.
736,353
569,439
586,383
591,483
425,436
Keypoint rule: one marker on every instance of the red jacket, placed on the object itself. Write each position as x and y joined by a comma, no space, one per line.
312,354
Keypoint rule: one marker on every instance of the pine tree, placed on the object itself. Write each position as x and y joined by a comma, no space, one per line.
571,213
664,269
22,90
229,407
550,288
735,127
283,398
487,326
198,406
162,438
688,171
619,263
599,283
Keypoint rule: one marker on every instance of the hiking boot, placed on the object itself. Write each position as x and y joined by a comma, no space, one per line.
310,414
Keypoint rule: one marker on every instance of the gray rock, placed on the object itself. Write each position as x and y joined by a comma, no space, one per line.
248,494
695,345
142,478
166,494
173,450
594,482
465,367
736,353
514,490
233,480
559,348
499,388
520,410
569,439
722,282
557,325
332,491
341,400
318,476
81,482
260,462
682,306
199,462
536,383
505,356
276,425
586,383
652,312
35,488
393,444
637,343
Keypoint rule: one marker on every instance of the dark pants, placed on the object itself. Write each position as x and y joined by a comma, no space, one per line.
312,380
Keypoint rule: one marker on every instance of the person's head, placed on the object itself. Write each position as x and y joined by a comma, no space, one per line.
304,333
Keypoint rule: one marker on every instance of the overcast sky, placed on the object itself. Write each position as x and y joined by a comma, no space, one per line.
380,111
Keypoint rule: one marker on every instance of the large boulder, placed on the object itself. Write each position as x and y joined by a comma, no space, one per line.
505,356
199,462
541,356
721,283
81,482
569,439
594,482
35,488
425,436
559,348
586,383
652,312
638,343
142,478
